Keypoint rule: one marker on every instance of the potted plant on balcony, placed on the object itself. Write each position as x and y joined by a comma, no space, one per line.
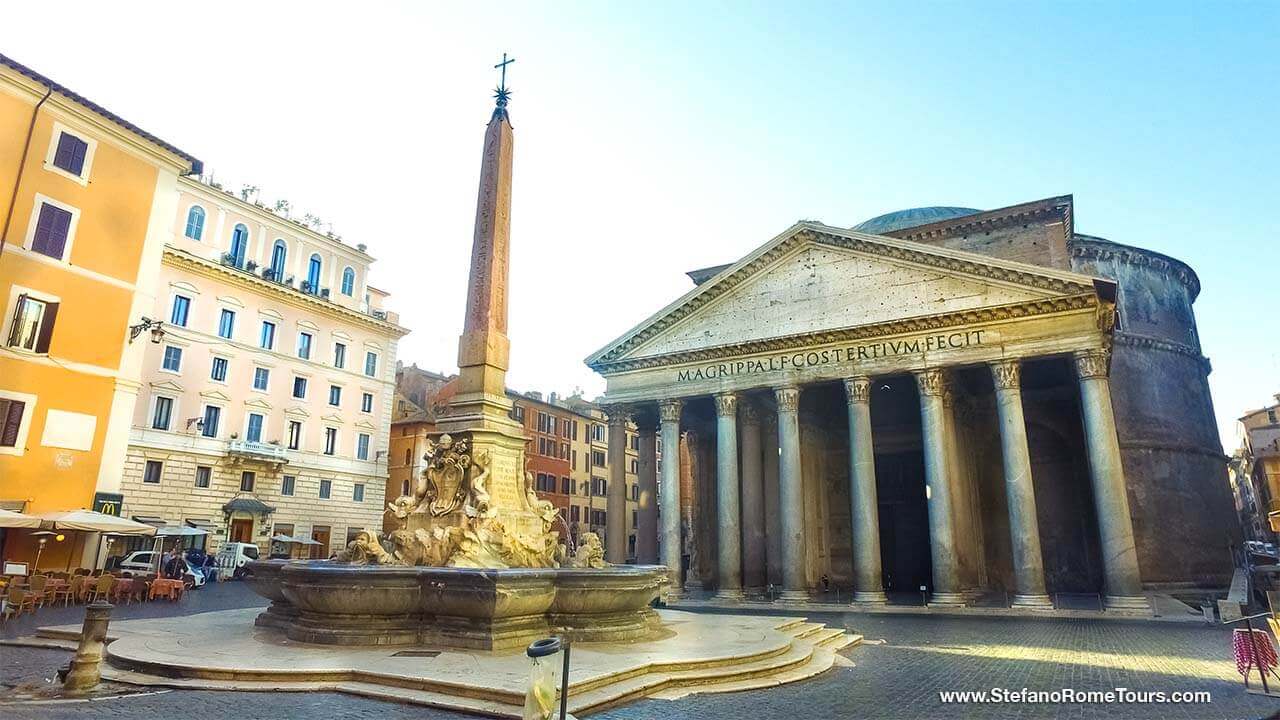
251,265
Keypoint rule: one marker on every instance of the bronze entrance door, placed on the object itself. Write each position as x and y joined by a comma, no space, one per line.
242,531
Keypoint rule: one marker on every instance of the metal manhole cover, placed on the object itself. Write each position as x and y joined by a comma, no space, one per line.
416,653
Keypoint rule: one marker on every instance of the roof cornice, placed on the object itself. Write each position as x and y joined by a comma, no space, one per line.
909,251
184,260
29,81
1061,206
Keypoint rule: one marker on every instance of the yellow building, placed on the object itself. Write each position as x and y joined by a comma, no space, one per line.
87,201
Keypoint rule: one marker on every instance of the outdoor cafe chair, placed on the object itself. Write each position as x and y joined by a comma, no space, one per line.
20,600
37,586
102,588
71,591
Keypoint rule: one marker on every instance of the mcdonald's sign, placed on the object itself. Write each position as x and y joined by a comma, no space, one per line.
108,503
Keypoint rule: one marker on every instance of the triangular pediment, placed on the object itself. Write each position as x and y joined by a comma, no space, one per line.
297,410
166,386
334,418
215,395
257,403
814,278
364,424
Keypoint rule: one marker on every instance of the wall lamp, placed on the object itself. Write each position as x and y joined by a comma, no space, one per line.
155,326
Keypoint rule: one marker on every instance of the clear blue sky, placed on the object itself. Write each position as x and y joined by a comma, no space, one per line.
653,138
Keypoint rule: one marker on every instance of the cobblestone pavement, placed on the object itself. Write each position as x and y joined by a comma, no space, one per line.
899,678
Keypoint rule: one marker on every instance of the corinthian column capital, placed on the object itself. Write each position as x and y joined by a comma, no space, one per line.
618,414
726,404
1007,374
1093,364
669,410
857,389
931,381
788,398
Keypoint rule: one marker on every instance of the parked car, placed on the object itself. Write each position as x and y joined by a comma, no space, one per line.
232,558
144,561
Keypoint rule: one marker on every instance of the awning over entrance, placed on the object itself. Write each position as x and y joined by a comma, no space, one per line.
201,523
13,505
151,520
250,505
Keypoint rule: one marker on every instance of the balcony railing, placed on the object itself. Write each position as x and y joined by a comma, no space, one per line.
279,277
253,450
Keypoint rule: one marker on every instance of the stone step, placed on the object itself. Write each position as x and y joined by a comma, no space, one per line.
820,660
825,635
796,655
843,641
805,629
35,641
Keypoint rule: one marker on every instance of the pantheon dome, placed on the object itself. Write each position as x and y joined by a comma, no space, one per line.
911,217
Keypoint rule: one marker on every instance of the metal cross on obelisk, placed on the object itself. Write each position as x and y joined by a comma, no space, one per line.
502,86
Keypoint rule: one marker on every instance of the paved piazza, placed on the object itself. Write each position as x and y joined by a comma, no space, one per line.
898,678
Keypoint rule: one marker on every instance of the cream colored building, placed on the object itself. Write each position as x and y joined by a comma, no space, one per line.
266,405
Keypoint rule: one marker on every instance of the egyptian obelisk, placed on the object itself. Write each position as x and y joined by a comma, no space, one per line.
479,408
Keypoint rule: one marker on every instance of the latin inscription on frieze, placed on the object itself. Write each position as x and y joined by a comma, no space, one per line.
850,354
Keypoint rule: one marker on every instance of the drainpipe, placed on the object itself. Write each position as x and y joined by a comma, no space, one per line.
22,164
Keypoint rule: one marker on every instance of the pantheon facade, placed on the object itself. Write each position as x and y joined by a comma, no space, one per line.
973,403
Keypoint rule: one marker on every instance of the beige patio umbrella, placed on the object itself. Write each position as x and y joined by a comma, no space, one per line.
90,521
11,519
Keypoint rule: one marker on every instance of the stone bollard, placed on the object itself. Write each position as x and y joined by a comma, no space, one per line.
84,673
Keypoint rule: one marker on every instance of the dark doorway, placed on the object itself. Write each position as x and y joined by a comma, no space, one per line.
904,521
241,530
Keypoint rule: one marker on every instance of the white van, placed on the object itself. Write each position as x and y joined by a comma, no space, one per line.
232,557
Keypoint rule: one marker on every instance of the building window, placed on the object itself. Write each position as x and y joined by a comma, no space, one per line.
635,467
366,402
357,492
261,376
300,388
268,337
71,154
53,230
209,426
313,275
239,245
163,414
172,359
517,413
408,456
635,521
181,309
597,458
339,355
574,515
362,446
246,481
597,433
295,434
195,223
286,484
635,493
566,486
304,345
278,254
330,441
598,486
326,489
11,413
348,281
253,431
218,371
227,323
635,443
203,474
371,364
33,322
335,395
151,473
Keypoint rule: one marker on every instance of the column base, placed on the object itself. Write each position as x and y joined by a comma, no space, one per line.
948,599
1032,602
729,594
793,596
870,597
671,597
1127,604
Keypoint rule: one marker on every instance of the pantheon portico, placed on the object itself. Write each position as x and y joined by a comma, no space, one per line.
880,413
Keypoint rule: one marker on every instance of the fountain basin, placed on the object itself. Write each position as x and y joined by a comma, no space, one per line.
320,601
